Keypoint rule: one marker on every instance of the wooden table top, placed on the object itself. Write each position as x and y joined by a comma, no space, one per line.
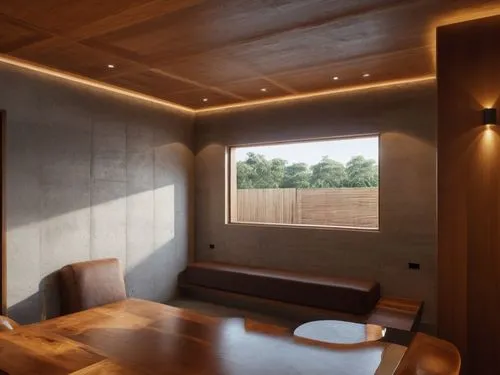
142,337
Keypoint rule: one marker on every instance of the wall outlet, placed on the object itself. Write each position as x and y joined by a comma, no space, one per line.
414,266
212,246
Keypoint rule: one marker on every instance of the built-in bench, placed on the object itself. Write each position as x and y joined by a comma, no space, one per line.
292,297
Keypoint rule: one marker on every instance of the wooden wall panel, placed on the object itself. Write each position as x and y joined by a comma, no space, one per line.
468,192
3,268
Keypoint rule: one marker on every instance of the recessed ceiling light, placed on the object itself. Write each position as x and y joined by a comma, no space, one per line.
263,89
205,100
366,75
335,78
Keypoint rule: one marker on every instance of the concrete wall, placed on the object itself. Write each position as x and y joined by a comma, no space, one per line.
92,175
405,117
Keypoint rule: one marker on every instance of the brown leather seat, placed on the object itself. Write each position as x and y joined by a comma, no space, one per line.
7,324
330,293
89,284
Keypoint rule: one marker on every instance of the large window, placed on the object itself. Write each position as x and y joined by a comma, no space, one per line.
323,183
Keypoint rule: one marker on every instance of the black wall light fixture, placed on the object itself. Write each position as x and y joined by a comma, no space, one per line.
489,116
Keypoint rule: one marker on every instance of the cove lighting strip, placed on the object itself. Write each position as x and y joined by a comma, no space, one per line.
91,83
120,91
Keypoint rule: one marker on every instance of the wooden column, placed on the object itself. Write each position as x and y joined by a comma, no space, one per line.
469,192
3,254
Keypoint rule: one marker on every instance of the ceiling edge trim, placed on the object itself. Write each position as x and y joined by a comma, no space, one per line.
91,83
298,97
147,98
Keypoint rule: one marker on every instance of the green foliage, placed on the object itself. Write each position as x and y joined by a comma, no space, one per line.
328,173
361,172
256,172
297,175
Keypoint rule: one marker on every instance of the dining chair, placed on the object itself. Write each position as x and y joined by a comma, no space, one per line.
89,284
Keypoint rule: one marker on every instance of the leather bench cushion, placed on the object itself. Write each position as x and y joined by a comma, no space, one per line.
340,294
89,284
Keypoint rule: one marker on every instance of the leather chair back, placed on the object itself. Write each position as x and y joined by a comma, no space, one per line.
89,284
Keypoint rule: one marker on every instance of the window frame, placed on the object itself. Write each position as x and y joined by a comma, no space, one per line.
231,185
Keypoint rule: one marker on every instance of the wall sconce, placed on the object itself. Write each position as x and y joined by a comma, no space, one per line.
489,116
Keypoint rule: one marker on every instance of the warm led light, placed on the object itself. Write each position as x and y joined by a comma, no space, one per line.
111,66
91,83
120,91
290,98
459,16
366,75
335,78
489,116
263,89
466,14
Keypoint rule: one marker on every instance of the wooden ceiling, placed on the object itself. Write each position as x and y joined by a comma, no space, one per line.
227,51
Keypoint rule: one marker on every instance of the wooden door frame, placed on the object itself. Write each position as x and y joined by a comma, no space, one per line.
3,260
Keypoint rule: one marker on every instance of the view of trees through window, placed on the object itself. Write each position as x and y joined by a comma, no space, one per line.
324,183
258,172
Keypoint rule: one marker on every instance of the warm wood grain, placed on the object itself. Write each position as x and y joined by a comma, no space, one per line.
226,50
346,207
398,313
142,337
34,351
3,253
428,355
469,192
108,367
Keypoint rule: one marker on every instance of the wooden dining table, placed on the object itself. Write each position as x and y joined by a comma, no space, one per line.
142,337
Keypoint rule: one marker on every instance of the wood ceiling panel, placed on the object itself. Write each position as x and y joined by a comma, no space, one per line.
64,15
340,40
150,83
194,98
230,48
404,64
131,16
256,89
14,35
78,59
211,71
202,28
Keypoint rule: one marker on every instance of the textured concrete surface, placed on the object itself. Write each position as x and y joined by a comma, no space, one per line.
92,175
405,118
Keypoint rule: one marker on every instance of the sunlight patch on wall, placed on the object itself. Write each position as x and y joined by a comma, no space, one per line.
164,215
116,228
